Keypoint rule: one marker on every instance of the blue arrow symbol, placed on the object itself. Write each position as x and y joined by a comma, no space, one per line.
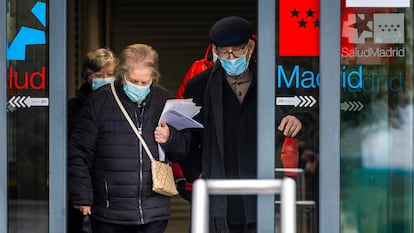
26,36
39,10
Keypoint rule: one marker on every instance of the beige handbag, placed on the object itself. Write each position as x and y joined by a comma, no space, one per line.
162,175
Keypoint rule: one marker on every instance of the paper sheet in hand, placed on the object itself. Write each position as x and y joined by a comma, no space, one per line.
179,113
180,121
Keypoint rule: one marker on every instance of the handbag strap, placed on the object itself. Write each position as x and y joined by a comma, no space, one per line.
144,144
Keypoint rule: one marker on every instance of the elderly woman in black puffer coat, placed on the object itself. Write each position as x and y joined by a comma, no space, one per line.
109,172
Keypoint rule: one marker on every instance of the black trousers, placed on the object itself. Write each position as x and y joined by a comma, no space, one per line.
153,227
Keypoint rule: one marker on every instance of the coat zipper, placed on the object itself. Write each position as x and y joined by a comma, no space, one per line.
107,193
139,123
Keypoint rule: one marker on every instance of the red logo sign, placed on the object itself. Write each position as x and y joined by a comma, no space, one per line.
299,28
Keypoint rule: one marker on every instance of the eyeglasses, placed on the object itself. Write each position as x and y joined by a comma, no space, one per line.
225,53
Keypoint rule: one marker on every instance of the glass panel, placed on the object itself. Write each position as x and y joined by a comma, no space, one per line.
297,93
27,117
376,120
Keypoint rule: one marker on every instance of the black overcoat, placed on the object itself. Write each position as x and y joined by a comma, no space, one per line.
210,90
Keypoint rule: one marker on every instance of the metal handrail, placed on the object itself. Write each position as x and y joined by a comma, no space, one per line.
202,189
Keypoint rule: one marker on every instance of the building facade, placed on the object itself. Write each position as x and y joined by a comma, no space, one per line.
350,63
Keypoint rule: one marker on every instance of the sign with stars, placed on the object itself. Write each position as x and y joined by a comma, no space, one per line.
389,28
299,28
377,3
372,35
383,28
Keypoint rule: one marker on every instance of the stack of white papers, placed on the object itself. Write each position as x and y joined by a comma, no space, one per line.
179,113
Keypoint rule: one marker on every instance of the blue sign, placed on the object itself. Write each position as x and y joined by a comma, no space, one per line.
28,36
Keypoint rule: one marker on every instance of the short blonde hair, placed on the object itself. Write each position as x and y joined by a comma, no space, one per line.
96,60
138,56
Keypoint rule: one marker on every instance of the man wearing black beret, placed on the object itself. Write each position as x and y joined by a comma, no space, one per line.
227,93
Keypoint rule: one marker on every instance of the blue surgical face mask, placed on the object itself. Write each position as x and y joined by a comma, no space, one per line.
99,82
236,66
135,92
215,57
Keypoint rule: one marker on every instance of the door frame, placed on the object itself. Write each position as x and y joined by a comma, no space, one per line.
57,115
329,114
3,120
329,117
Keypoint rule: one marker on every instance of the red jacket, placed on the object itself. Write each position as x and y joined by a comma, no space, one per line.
196,68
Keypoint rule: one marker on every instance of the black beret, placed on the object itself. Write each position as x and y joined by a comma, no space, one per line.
231,31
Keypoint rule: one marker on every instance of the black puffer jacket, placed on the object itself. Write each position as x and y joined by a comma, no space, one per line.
107,167
75,104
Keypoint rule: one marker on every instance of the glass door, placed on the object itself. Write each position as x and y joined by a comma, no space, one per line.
376,73
27,116
297,87
33,150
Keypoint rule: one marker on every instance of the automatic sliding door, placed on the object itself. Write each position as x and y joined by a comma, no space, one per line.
376,118
27,116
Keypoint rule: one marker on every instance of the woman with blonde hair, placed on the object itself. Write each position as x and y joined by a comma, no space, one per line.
98,69
109,171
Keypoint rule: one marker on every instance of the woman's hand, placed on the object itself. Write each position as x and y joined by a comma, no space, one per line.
162,132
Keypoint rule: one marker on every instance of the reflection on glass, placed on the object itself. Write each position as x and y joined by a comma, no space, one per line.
376,120
297,90
27,117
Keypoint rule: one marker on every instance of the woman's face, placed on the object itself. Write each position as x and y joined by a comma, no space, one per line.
105,72
140,76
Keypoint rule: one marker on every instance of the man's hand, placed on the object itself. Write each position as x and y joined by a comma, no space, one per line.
85,209
290,126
